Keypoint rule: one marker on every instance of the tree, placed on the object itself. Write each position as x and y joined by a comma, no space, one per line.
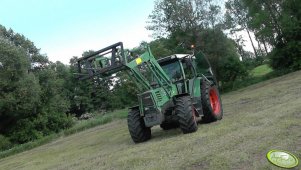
33,100
278,23
236,19
19,90
220,50
170,16
80,95
33,53
194,22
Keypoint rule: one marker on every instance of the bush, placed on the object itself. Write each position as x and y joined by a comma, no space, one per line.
24,131
4,143
33,128
286,56
232,69
58,121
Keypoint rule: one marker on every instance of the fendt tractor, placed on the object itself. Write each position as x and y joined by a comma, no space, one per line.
175,91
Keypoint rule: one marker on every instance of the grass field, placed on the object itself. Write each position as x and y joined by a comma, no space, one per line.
80,125
256,119
261,70
256,75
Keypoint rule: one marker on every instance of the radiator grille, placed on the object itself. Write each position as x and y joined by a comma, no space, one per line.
158,95
147,99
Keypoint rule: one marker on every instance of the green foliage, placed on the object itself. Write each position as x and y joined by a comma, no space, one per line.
4,143
34,128
53,94
251,63
287,56
261,70
161,47
278,24
222,55
98,119
232,69
24,131
80,92
105,94
18,88
18,40
124,92
37,95
57,122
189,22
170,16
258,74
33,100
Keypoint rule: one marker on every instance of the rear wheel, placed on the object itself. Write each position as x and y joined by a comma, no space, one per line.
138,131
211,103
186,114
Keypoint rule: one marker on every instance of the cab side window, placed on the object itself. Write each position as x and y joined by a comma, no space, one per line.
187,70
202,64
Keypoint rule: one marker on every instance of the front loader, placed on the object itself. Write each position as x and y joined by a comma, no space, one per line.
176,91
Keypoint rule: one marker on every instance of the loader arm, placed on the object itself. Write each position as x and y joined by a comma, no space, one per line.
112,59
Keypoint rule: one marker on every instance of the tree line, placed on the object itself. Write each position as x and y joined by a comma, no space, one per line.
276,26
39,97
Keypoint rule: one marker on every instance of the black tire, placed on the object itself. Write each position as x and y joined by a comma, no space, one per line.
137,129
211,103
186,114
168,126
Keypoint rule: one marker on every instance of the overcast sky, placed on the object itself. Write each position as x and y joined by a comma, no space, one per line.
66,28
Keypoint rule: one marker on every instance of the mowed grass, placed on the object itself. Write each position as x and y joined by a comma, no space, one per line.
261,70
80,125
256,119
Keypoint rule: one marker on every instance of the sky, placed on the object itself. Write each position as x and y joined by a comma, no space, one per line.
66,28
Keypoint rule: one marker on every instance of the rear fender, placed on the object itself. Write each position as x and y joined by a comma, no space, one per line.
180,95
134,107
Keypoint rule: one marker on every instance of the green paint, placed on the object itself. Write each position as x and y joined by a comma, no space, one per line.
282,159
158,83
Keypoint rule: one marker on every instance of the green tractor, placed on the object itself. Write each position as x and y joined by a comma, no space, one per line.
176,91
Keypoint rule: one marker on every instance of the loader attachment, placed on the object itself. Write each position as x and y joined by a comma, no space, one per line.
102,63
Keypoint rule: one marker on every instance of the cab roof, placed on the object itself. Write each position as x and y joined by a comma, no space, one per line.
172,57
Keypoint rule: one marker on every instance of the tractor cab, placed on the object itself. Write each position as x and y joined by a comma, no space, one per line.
177,69
174,65
184,68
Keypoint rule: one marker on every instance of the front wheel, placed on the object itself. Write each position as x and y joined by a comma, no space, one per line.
211,103
186,114
138,131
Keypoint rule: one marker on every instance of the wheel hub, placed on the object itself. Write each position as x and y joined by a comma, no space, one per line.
214,102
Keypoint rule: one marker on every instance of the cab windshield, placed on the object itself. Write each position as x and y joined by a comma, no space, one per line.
173,70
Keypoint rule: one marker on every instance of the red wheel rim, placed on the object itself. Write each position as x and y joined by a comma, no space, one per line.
193,113
214,101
